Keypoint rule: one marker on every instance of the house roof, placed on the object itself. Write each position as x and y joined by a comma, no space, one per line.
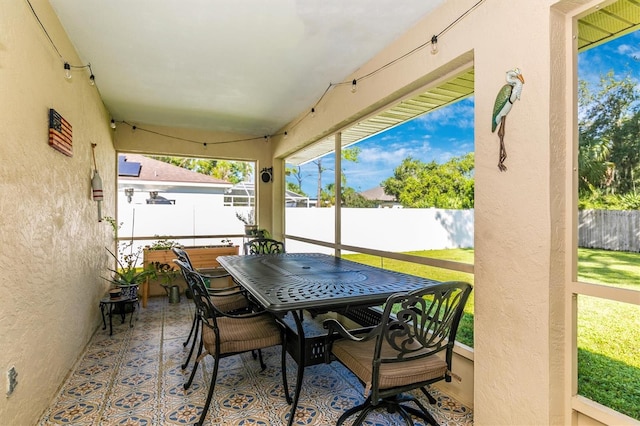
158,171
377,194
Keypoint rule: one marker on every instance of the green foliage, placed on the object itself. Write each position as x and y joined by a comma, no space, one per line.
293,187
127,272
609,146
422,185
163,243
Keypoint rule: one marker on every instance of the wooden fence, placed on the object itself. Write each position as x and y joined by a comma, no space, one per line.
617,230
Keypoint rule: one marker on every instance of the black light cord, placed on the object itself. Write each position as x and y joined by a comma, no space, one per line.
153,132
88,66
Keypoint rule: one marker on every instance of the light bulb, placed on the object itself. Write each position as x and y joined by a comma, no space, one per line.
354,86
434,44
113,123
286,134
67,71
92,80
313,112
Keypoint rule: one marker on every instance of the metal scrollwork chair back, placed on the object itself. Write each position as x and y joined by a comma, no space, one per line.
231,299
263,246
399,354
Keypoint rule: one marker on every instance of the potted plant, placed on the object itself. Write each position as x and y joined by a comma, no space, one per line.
248,218
127,275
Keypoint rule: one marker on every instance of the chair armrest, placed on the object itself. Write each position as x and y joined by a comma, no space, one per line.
224,291
334,326
223,273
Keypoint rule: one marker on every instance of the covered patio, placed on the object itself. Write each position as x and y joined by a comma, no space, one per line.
522,369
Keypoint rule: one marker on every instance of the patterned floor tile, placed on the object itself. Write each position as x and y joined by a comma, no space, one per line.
135,378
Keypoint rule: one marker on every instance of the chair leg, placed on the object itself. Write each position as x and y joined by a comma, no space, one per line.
193,344
285,384
195,367
263,366
212,386
431,399
351,411
193,326
422,413
363,415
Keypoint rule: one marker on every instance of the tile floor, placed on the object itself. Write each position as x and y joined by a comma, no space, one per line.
134,378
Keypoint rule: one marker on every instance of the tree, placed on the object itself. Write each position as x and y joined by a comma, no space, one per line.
296,173
607,135
348,154
421,185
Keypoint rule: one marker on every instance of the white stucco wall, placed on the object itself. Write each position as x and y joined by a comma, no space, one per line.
52,240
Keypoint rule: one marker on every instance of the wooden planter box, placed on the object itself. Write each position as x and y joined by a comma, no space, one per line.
202,258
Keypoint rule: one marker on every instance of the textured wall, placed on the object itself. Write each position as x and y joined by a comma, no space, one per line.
53,245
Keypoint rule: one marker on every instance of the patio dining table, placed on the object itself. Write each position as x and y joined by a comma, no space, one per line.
288,283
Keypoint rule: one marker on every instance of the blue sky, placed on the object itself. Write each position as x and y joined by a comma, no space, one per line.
448,132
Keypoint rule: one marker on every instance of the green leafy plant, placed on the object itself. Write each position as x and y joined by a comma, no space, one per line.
127,272
166,272
163,243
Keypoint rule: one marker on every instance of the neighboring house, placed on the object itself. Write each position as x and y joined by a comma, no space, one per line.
143,180
381,198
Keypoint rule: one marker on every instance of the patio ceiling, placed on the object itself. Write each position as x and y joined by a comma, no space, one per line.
252,66
241,66
614,20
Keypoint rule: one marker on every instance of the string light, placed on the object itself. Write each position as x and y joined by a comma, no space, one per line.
313,112
113,123
67,71
354,86
286,134
434,44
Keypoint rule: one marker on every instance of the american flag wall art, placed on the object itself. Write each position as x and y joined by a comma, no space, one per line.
60,133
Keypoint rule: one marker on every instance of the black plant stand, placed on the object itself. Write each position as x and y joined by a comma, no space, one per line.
117,305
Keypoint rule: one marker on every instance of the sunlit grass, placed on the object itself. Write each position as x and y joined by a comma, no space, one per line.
608,331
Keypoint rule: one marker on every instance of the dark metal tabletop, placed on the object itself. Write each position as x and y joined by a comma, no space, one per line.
292,281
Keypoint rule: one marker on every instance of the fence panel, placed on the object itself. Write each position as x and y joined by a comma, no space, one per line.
617,230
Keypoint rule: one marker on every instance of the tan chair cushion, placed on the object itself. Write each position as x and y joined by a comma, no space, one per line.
242,334
357,357
229,303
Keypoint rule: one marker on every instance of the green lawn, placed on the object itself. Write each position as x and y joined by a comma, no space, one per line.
608,331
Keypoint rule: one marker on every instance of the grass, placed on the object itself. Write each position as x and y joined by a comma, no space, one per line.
608,331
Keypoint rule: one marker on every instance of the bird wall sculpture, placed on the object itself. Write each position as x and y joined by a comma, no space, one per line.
508,94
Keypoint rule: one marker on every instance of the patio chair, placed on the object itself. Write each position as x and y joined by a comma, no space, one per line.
230,299
400,354
228,304
263,246
225,334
